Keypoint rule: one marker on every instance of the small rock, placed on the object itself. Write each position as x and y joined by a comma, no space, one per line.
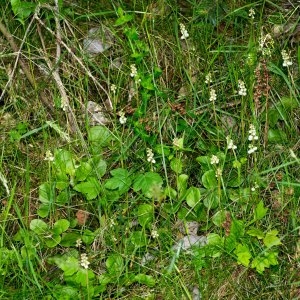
98,40
189,241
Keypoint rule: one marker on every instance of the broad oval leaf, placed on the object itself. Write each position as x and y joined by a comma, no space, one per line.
115,264
147,183
145,214
60,226
193,196
209,180
39,226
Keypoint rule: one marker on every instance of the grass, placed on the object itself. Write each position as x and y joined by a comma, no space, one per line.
109,211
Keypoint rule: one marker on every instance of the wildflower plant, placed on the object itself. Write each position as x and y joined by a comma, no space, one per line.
180,187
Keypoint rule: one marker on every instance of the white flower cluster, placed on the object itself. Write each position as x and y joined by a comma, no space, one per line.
230,144
256,186
49,156
78,243
113,88
252,133
242,88
252,149
154,234
212,95
208,78
133,70
84,261
122,118
218,172
150,156
252,137
183,31
286,59
266,42
251,13
214,160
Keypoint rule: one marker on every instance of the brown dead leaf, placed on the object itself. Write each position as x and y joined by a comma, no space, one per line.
82,216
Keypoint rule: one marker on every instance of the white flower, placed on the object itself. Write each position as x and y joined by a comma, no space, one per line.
154,234
49,156
252,133
208,79
122,118
183,32
112,223
286,59
113,88
214,160
219,172
78,243
133,70
252,149
251,13
242,88
212,95
150,156
84,261
230,144
256,186
266,42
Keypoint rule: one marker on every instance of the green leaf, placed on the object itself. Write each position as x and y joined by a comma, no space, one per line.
120,181
209,180
214,239
90,188
261,262
145,214
272,258
99,137
243,254
88,236
145,279
60,226
260,211
123,19
38,226
256,232
98,166
214,244
230,243
138,238
69,265
43,210
64,197
182,184
176,165
84,276
115,265
52,241
69,239
219,218
147,183
240,195
204,162
271,239
276,136
83,171
193,196
211,199
237,228
22,9
46,193
63,162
